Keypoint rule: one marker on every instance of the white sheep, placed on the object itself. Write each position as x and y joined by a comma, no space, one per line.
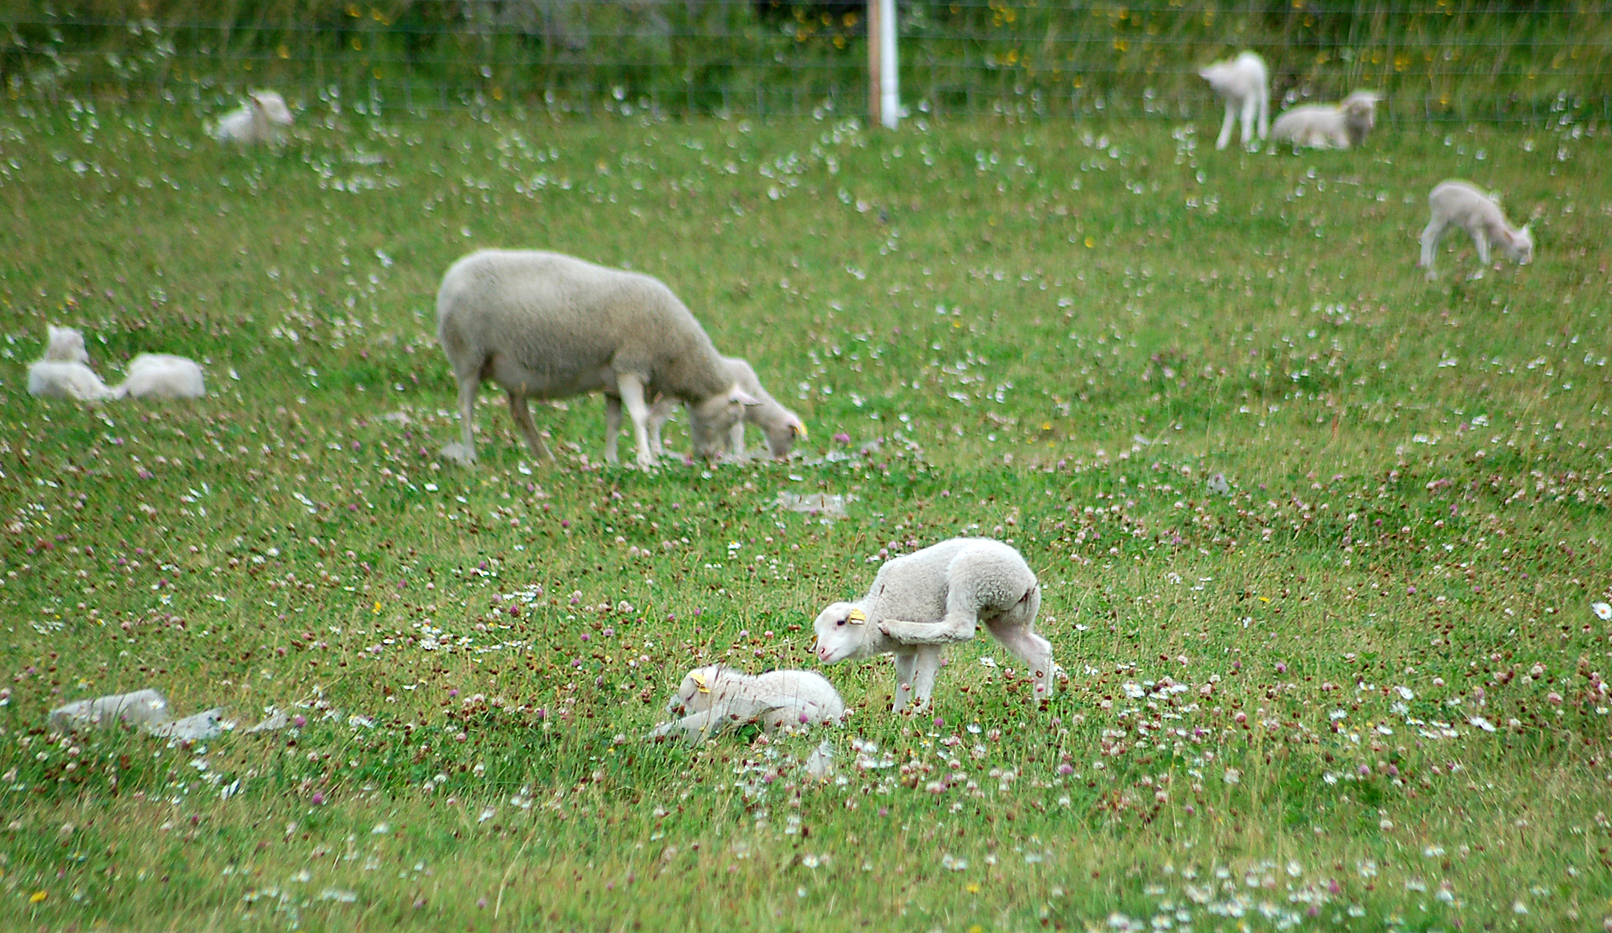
924,600
1244,84
546,325
257,122
161,375
1343,125
65,344
778,424
1479,214
713,697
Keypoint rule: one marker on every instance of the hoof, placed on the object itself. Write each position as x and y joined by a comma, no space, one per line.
460,454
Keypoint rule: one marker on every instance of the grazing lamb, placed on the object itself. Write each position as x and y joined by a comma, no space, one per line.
546,325
257,122
65,344
926,599
778,424
1243,82
711,698
160,375
1343,125
1458,203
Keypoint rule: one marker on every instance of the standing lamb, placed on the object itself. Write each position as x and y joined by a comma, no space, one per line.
1343,125
546,325
257,122
63,371
1243,82
778,424
161,375
713,697
1458,203
926,599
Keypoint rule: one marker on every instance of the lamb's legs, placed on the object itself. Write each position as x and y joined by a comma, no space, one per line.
696,727
906,661
1480,236
659,414
464,451
736,440
632,396
1430,237
1225,125
612,426
1250,111
923,675
523,420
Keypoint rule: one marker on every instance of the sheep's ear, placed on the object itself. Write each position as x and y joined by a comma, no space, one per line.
857,617
699,682
744,398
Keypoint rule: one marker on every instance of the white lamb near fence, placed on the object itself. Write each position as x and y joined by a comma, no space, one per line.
1343,125
778,424
927,599
161,375
714,697
1479,214
546,325
260,121
63,370
1244,83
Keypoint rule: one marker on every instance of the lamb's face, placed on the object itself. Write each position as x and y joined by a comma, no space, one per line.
272,106
1521,247
781,438
841,631
65,344
694,693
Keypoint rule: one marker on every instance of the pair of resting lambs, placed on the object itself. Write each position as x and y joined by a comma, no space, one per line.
63,371
918,604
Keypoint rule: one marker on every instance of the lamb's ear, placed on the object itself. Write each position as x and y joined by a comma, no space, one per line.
744,398
699,682
857,617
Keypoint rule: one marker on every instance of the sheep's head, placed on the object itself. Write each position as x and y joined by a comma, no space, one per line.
842,632
65,344
694,693
781,437
710,420
1520,246
271,106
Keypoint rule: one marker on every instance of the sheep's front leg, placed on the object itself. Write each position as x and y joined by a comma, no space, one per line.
612,426
696,727
923,675
1480,237
1430,237
464,452
523,420
1225,125
632,396
736,441
906,662
1250,111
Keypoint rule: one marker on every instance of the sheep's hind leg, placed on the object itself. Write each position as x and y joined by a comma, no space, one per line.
463,451
1226,125
1430,237
612,427
523,420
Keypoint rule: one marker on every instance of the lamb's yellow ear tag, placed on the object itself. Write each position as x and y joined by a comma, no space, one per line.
699,682
799,429
857,617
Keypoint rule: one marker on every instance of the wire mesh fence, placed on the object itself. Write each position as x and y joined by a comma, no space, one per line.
1432,59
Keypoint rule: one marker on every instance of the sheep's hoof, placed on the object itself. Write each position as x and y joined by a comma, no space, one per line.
459,453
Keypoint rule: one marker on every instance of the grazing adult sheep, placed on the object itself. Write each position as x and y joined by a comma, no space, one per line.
1244,83
260,121
1479,214
714,697
924,600
1343,125
546,325
161,375
778,424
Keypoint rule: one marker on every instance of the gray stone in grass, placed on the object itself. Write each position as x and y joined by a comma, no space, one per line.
140,708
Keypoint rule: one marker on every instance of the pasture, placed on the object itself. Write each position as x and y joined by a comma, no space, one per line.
1318,539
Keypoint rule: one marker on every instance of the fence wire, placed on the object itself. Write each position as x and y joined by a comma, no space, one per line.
1439,60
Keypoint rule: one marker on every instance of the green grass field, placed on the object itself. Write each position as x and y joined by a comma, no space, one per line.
1359,686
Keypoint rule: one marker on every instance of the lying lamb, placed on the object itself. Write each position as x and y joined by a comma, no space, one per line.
63,370
1243,82
257,122
1343,125
778,424
1458,203
924,600
711,698
161,375
545,325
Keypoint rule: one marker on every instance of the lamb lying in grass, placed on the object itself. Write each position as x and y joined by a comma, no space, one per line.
1243,82
1460,204
938,595
545,325
161,375
63,371
258,122
778,424
711,698
1343,125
